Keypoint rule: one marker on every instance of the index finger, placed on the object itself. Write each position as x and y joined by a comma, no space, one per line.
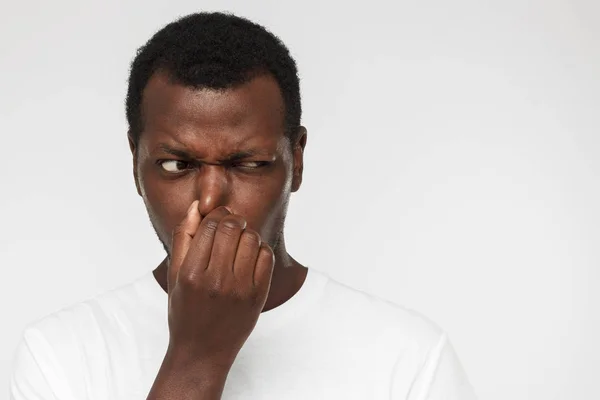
182,238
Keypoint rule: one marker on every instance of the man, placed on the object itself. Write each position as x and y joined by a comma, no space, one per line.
214,111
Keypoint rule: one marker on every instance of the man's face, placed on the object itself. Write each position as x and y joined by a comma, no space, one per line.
224,148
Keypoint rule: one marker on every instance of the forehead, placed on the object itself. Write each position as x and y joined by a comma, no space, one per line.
225,118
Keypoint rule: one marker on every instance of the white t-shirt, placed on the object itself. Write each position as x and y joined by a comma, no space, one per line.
327,342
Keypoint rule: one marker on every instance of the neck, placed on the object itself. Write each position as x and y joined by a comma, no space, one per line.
288,277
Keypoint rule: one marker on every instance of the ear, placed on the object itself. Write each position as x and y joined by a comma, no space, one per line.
298,153
134,155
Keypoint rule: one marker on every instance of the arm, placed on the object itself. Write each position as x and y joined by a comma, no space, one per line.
179,379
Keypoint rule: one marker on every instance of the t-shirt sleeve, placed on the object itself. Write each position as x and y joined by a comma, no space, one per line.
27,382
442,377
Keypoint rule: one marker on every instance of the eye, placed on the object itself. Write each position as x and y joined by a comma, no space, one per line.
173,166
252,164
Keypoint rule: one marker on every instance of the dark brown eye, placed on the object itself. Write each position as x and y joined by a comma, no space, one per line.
252,164
174,165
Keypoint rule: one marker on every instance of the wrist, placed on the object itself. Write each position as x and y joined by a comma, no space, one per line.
186,360
184,377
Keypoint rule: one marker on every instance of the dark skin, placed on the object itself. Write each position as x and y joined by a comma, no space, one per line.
225,153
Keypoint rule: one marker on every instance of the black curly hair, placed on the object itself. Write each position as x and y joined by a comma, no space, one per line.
216,51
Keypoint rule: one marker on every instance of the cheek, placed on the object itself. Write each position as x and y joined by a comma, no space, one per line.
166,206
164,216
264,206
262,202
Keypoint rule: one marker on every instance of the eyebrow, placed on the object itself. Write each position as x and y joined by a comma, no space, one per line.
238,155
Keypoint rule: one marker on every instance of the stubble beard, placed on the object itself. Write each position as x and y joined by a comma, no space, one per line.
273,243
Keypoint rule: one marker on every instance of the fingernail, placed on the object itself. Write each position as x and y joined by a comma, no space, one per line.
194,205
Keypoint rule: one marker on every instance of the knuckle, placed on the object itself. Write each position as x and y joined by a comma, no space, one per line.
211,224
230,225
215,288
178,230
213,293
188,281
238,295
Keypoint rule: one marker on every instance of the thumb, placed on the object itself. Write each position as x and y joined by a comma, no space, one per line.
182,237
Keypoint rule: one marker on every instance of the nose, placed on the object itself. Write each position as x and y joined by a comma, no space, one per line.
212,188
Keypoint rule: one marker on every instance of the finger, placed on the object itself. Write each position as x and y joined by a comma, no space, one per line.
264,269
198,255
181,240
225,245
246,256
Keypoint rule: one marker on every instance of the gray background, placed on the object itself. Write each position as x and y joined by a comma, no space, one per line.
452,166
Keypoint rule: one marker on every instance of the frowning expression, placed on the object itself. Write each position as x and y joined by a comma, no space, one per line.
222,147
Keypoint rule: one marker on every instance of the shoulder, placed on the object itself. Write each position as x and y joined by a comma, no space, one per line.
394,324
67,351
92,317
